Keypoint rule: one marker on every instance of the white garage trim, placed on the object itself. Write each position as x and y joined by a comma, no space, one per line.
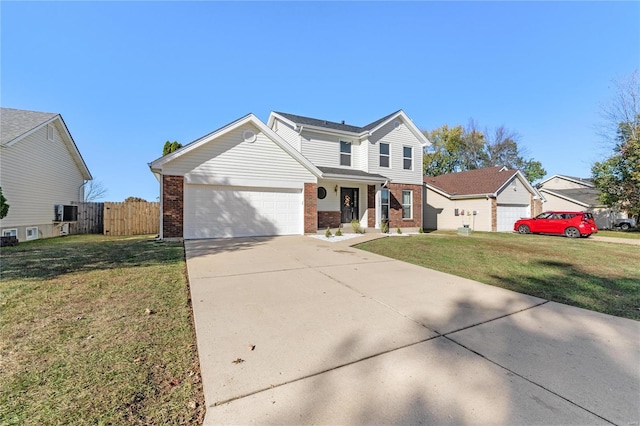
212,211
508,214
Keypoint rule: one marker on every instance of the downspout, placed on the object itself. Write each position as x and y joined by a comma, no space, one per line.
81,199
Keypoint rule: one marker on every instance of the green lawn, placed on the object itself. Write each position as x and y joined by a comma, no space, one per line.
599,276
633,234
97,330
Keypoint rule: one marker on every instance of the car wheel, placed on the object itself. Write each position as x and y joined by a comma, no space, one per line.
523,229
572,232
625,226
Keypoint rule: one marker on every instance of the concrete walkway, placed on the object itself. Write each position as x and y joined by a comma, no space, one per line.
294,330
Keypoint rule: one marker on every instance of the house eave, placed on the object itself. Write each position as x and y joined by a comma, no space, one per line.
371,179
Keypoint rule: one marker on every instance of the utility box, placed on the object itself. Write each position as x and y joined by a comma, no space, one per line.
465,230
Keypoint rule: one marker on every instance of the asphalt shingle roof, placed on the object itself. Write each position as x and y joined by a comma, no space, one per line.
16,122
472,182
298,119
588,196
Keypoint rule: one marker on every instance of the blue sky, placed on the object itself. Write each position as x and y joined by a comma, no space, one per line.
127,76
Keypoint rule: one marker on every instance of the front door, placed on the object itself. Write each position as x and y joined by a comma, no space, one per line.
349,205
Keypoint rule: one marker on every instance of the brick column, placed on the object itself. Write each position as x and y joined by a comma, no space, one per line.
172,206
494,215
310,208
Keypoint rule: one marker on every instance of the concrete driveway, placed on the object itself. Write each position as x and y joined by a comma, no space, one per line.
293,330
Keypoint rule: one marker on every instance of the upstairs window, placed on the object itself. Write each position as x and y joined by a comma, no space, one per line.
407,157
345,153
384,154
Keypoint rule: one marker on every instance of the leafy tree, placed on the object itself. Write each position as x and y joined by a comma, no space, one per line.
618,177
4,207
169,147
458,149
134,200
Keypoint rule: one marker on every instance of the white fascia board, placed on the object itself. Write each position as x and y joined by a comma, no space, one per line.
329,176
580,203
273,116
409,123
567,178
437,190
156,165
327,131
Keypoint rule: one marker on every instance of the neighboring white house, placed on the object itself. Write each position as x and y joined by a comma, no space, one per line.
487,199
293,175
40,167
577,194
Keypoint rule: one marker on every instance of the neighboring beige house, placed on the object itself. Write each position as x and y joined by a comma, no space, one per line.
576,194
488,199
291,176
40,168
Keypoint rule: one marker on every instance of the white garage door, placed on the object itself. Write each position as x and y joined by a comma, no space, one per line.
221,212
509,214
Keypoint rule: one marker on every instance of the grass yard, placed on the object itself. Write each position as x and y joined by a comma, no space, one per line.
631,234
97,330
599,276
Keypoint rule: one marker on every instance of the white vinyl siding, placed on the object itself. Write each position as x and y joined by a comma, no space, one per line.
228,160
36,175
324,150
514,193
397,138
439,212
288,134
561,183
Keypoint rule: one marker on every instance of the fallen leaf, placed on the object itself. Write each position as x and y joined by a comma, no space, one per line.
252,347
238,361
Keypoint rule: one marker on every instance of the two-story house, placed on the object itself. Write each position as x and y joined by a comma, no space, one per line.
291,176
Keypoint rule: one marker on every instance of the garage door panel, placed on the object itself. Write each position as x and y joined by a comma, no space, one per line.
219,212
509,214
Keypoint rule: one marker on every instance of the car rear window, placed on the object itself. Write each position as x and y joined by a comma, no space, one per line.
588,216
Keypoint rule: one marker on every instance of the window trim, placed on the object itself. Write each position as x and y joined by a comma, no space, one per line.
387,156
10,230
382,204
35,237
405,158
50,132
410,205
347,155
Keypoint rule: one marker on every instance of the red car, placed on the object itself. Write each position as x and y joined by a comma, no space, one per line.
570,224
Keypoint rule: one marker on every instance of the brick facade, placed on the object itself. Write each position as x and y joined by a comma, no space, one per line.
371,206
536,206
310,208
395,206
172,206
328,220
494,215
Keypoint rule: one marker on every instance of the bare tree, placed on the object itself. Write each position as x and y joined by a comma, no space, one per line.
623,107
94,190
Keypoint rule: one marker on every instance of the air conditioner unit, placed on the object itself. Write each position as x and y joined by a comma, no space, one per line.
65,213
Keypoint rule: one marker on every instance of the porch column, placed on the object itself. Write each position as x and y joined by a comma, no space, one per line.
310,208
371,206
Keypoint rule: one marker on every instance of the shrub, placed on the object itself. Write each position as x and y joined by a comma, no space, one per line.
328,233
355,224
339,233
399,231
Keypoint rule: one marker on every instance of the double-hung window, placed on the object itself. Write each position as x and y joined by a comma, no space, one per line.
384,154
407,157
384,204
345,153
407,204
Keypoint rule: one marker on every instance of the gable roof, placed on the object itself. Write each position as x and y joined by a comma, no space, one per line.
157,164
487,181
17,124
582,181
586,197
299,122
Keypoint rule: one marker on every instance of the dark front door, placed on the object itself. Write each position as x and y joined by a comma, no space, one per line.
349,204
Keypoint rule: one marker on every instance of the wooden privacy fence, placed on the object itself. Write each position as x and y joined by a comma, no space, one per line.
90,218
131,218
